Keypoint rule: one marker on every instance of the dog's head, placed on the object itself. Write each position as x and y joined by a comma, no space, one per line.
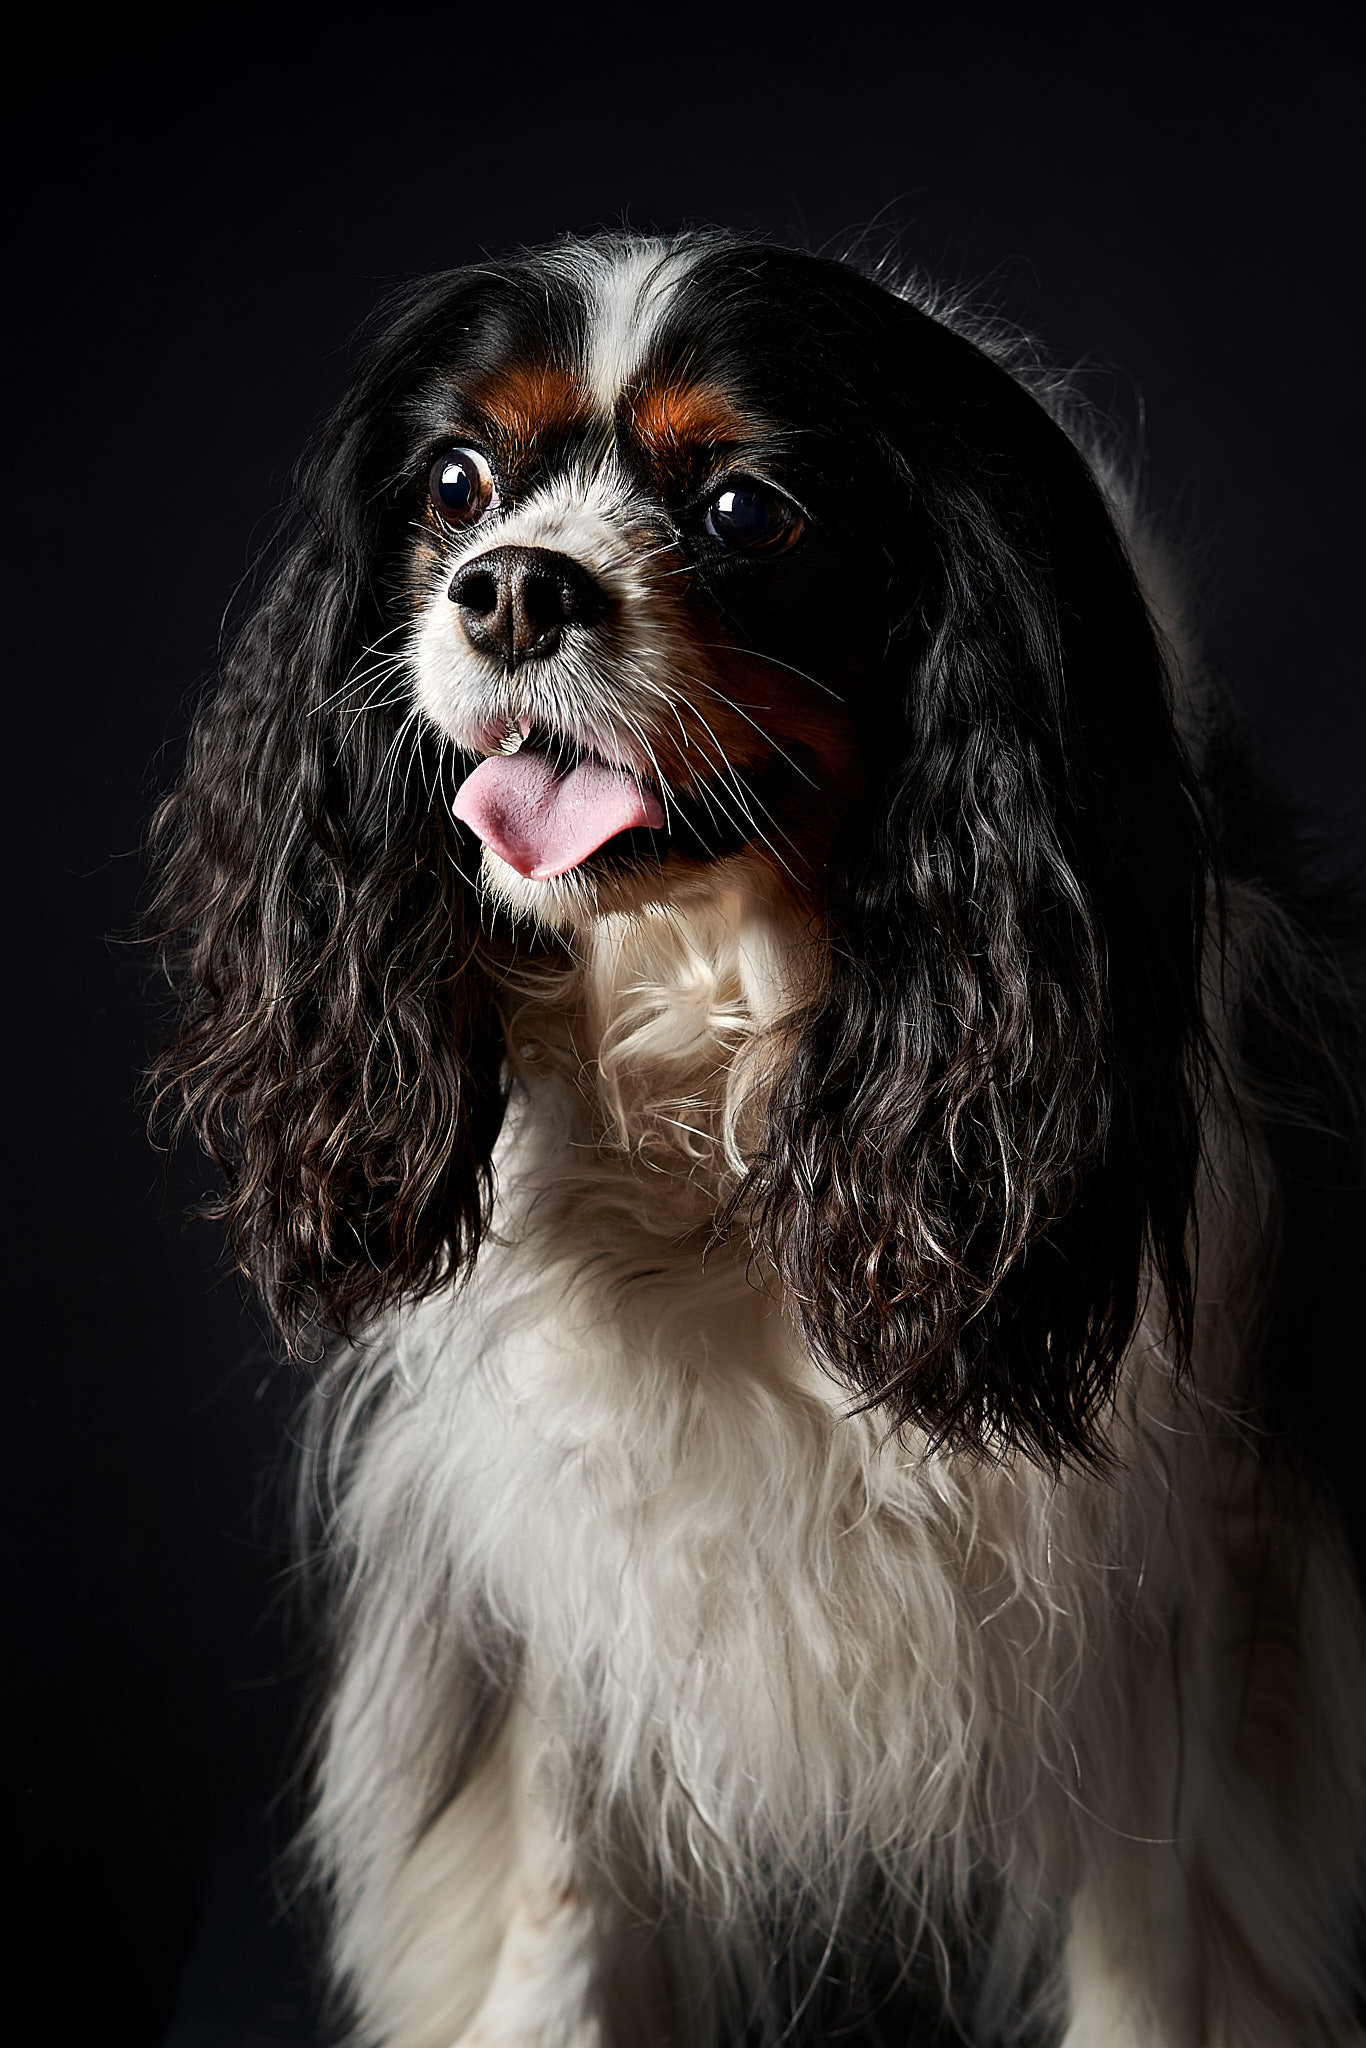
627,557
626,598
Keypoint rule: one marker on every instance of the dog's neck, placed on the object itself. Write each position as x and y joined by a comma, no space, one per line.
668,1024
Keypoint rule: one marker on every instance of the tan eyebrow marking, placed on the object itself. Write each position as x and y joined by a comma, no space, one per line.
528,400
668,417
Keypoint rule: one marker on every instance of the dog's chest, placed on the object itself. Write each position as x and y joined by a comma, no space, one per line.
729,1593
732,1598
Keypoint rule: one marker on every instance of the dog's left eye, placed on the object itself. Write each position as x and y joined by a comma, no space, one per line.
461,487
752,518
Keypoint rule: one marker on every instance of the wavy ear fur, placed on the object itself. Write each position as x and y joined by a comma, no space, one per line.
339,1054
983,1149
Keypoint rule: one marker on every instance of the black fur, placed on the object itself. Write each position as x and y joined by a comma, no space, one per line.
984,1144
341,1055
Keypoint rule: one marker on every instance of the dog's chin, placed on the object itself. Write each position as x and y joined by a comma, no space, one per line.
636,872
561,903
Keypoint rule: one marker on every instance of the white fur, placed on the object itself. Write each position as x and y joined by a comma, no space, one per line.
755,1636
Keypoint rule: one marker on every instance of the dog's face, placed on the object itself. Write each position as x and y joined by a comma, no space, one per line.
652,572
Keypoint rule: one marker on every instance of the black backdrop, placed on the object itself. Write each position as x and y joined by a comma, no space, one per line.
1164,197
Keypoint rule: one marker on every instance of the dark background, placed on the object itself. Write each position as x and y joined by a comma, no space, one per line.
1166,197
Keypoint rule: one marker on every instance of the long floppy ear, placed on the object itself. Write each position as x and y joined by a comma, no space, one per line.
983,1149
339,1054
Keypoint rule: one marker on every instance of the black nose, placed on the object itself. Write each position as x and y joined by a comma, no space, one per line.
515,602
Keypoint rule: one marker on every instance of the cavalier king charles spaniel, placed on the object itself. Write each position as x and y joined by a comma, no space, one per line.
739,987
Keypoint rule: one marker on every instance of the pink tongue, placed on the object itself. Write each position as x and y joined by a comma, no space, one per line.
543,821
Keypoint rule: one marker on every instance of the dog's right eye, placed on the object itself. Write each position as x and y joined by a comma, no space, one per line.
461,487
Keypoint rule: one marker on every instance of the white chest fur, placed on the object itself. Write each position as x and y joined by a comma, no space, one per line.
798,1646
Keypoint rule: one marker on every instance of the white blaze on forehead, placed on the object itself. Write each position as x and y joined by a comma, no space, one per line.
628,299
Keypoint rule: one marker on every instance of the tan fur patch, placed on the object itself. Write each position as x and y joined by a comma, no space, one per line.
669,418
527,402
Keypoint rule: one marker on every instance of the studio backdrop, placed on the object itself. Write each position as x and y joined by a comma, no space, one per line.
205,218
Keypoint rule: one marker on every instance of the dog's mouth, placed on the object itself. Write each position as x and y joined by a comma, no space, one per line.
544,804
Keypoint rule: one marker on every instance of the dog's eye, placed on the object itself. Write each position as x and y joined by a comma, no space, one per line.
753,519
461,487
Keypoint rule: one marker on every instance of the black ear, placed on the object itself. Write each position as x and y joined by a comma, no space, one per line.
339,1053
983,1148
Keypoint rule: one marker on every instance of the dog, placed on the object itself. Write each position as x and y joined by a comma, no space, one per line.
735,976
